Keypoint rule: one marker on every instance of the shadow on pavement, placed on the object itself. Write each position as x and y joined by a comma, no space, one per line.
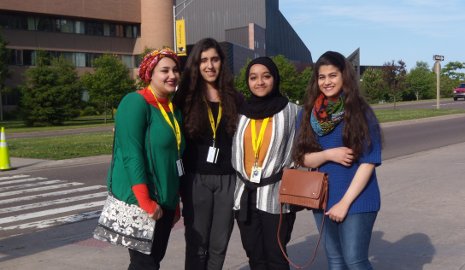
412,252
51,238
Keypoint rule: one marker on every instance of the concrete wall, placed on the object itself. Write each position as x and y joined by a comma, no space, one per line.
156,25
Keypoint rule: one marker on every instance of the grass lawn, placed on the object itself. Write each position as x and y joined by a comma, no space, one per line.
62,147
80,122
91,144
408,114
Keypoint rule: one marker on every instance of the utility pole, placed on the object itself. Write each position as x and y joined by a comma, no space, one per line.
437,68
176,48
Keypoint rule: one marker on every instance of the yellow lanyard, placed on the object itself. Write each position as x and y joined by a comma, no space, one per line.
257,142
175,128
212,120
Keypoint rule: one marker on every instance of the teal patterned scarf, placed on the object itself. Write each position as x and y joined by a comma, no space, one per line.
327,113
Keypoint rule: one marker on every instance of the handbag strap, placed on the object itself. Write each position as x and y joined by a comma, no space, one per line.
310,262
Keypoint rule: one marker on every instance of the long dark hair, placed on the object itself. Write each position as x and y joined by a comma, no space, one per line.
190,95
357,112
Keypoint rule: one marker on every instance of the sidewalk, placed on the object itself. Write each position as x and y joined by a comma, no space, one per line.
19,165
421,225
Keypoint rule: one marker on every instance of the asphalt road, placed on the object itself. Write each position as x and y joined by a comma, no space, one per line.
421,135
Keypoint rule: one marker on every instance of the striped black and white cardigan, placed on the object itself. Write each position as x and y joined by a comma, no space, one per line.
278,156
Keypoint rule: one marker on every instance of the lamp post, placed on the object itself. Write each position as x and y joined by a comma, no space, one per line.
437,68
184,4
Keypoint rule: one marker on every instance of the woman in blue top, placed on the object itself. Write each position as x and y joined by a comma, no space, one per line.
340,135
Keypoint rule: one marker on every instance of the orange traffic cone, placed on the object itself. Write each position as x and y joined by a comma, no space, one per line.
4,155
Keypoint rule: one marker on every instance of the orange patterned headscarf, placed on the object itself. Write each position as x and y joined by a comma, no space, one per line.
151,60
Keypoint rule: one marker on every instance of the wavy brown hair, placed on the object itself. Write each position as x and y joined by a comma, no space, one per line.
357,112
191,94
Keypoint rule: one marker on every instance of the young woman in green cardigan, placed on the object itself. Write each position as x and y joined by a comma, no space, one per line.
147,151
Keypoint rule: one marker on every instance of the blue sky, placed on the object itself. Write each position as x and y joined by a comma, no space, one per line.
384,30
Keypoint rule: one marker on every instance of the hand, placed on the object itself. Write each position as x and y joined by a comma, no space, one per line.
338,212
157,214
341,155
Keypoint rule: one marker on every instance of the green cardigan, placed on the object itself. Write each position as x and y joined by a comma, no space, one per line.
136,160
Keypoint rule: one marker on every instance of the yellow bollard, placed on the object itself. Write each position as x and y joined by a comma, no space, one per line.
4,155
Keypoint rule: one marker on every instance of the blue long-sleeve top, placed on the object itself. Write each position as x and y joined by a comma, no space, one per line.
340,177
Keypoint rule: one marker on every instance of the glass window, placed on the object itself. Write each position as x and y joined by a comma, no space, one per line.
4,21
12,21
106,29
94,28
79,27
67,26
119,30
90,57
45,24
137,60
80,60
127,60
16,57
135,30
128,32
29,58
32,23
113,30
68,56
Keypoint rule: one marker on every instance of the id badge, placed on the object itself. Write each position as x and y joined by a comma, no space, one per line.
180,167
212,154
256,174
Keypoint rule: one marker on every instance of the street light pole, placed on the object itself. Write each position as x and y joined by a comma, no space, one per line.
185,3
437,69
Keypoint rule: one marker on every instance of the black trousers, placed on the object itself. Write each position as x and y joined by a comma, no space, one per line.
259,237
208,219
140,261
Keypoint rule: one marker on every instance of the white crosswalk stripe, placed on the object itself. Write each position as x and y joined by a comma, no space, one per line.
33,202
3,183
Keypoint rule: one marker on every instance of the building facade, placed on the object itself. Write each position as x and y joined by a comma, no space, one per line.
82,30
257,26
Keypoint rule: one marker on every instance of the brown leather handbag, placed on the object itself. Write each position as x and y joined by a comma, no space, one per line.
304,188
307,189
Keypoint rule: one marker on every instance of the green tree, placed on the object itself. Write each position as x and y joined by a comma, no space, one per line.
451,76
453,71
240,81
394,76
4,72
52,92
373,86
420,82
303,80
447,86
108,84
289,77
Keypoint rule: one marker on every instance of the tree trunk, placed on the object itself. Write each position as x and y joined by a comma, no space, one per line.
105,109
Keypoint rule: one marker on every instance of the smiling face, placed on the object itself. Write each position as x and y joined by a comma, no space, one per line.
330,80
260,80
165,77
210,65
